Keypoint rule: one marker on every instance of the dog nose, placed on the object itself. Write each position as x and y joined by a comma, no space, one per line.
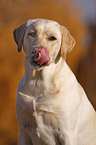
35,54
33,51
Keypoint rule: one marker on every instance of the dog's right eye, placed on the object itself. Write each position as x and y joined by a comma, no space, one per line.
32,34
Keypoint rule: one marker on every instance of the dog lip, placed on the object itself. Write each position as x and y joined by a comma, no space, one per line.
37,64
40,65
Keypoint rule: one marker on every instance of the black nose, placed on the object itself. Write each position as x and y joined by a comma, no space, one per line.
33,51
35,54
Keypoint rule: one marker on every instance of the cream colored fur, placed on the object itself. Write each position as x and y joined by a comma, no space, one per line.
52,108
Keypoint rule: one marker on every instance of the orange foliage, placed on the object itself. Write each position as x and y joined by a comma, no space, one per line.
86,72
12,14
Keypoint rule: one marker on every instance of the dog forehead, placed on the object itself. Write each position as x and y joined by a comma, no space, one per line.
43,25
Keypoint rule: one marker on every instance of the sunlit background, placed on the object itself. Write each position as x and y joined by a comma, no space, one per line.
79,16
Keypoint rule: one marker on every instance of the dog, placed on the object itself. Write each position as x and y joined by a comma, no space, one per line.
51,106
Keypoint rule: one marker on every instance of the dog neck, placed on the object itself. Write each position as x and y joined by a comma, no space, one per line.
50,78
42,73
47,75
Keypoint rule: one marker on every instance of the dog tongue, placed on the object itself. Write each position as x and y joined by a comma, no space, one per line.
43,57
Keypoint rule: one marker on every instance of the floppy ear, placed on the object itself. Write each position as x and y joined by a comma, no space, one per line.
68,42
18,34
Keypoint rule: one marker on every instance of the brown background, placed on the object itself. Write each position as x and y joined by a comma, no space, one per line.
82,59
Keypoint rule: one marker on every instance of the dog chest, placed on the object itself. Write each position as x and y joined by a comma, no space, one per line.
48,128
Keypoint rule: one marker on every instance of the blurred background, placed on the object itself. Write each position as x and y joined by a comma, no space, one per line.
79,16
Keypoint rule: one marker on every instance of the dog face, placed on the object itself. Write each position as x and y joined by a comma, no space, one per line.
44,41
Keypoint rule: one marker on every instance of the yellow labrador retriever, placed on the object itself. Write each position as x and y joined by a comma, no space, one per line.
52,108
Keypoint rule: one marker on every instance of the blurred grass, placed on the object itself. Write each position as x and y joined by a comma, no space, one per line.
13,14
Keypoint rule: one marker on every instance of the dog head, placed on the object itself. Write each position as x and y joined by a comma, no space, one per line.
44,41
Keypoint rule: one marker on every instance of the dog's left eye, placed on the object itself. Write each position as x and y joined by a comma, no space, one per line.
52,38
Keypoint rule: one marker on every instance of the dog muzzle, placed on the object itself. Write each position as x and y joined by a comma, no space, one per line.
41,57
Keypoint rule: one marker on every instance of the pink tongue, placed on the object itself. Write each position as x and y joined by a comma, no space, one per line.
43,56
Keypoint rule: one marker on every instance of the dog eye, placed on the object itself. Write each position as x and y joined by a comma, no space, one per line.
33,34
52,38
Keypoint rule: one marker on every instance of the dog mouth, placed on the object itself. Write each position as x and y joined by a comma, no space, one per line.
41,57
44,64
